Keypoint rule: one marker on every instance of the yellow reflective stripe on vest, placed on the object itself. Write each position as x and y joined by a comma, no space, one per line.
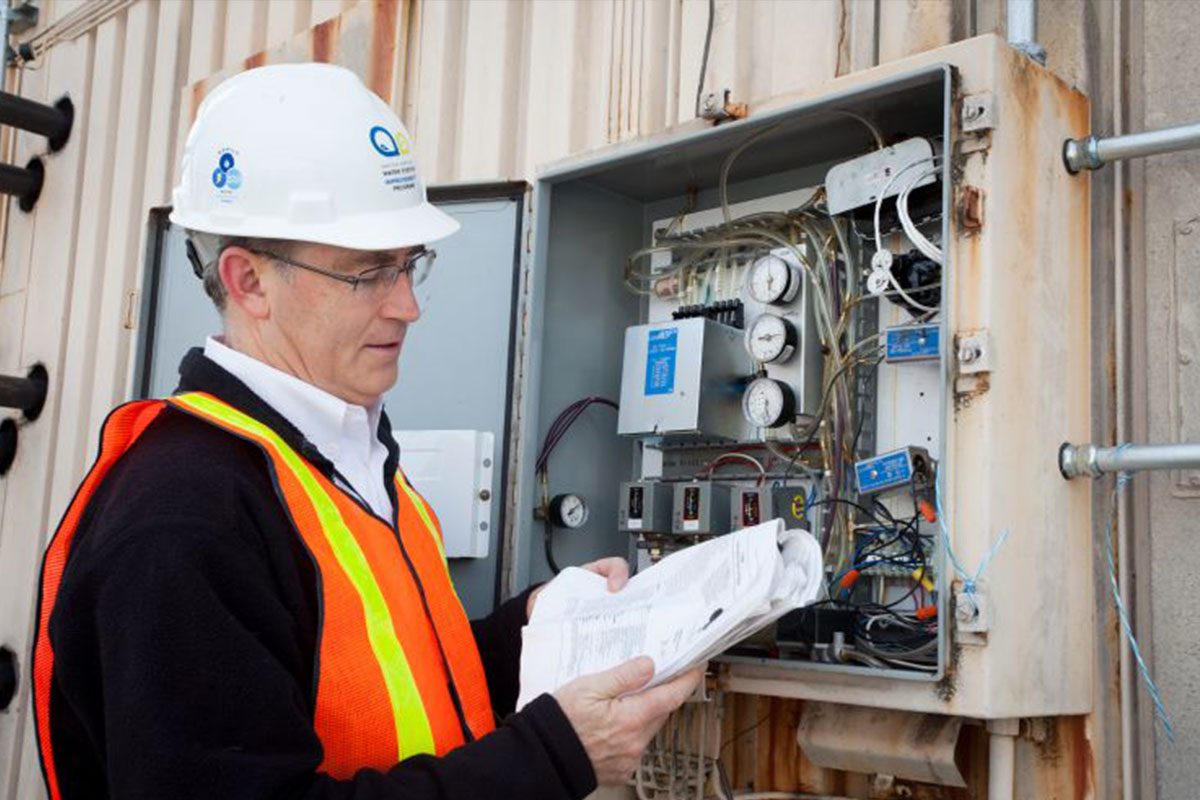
419,502
413,732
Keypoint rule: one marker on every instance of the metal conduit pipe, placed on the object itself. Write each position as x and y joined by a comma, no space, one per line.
1021,23
1090,461
1092,152
1002,758
54,122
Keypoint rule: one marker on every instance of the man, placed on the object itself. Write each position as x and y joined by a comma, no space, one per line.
247,599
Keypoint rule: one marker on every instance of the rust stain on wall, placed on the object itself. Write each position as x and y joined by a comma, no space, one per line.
324,40
381,66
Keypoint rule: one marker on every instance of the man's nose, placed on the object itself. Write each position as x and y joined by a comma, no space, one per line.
401,302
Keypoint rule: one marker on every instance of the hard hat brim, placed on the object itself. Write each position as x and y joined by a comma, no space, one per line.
384,230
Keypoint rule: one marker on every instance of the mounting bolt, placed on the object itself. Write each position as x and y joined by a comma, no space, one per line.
967,610
485,495
969,354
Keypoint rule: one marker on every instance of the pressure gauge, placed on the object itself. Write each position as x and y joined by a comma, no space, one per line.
769,403
771,338
774,280
568,511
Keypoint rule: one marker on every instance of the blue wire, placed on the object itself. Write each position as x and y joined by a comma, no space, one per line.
1160,710
970,580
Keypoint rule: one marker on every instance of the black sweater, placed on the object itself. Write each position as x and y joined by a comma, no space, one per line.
185,631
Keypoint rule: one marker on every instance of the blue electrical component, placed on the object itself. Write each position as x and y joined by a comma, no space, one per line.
912,343
891,470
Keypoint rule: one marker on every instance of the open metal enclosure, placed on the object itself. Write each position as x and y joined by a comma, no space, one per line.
1008,384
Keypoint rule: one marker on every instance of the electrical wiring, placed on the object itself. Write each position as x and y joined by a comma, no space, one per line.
711,465
927,248
558,429
883,194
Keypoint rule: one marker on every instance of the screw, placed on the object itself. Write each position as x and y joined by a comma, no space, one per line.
969,354
487,462
485,495
483,526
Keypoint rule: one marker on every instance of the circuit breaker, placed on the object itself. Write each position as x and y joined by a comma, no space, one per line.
645,507
701,507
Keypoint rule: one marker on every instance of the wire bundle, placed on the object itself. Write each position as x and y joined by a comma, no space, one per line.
558,429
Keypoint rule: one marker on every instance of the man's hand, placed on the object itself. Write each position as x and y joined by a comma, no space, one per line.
616,570
615,726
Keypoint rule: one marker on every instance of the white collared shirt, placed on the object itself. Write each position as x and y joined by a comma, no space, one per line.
346,434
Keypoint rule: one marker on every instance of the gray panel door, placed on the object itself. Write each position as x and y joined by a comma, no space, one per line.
455,367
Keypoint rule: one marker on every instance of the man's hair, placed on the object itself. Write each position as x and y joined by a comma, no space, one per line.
208,249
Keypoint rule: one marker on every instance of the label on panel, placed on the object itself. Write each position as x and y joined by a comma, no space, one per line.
912,343
661,346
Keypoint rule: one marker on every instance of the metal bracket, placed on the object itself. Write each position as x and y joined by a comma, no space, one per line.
974,352
978,112
972,614
717,107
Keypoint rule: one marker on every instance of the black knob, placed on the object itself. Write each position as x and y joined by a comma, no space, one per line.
8,677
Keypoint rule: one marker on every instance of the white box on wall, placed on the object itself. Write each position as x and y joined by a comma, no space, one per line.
453,472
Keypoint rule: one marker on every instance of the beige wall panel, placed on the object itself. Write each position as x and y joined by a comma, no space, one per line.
76,444
658,78
170,66
550,69
322,10
914,26
122,254
437,85
491,101
286,18
245,29
28,512
207,52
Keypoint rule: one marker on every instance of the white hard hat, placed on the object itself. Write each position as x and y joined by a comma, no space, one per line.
304,152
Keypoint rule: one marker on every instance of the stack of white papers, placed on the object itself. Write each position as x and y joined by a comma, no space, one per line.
687,608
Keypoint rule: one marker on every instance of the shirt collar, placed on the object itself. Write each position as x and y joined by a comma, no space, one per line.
197,373
337,428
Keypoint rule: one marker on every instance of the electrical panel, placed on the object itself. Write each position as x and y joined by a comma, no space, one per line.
845,314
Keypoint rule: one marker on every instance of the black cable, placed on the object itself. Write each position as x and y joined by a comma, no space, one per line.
558,429
712,11
548,531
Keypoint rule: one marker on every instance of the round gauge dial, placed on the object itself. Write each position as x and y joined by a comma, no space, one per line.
773,280
768,403
568,511
771,338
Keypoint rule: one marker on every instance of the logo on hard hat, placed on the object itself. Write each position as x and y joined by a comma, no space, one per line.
387,143
226,177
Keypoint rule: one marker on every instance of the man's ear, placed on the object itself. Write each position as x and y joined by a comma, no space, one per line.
241,272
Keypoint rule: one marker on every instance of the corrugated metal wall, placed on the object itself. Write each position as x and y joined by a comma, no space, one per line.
491,89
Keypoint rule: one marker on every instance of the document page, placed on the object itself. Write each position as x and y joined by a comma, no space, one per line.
687,608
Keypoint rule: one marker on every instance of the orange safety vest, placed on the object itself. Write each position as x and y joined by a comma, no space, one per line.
399,672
